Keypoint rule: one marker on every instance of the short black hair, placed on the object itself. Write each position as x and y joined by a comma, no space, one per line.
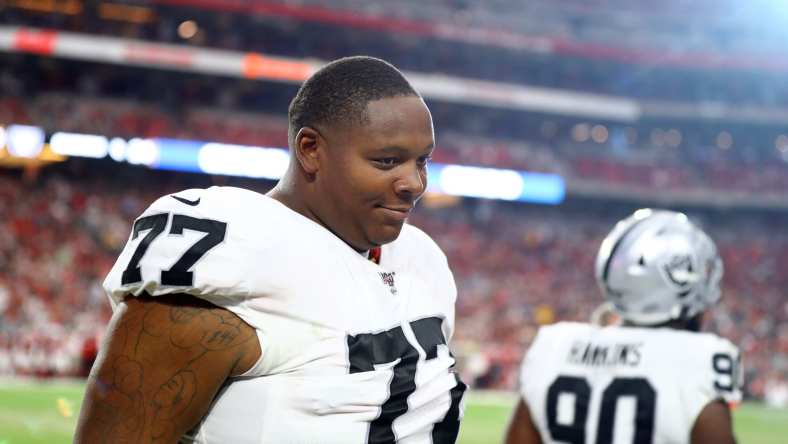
339,92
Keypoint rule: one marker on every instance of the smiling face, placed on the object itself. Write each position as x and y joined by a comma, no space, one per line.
370,175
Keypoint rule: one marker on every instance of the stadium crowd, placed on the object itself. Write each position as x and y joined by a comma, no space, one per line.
628,157
702,22
407,46
516,266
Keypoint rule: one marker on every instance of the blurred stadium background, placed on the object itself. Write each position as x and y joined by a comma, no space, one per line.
554,118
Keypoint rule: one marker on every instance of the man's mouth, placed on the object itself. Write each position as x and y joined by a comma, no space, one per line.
396,211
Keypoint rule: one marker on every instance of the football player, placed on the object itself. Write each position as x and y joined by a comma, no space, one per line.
654,379
312,314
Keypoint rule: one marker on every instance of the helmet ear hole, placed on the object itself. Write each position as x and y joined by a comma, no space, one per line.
642,261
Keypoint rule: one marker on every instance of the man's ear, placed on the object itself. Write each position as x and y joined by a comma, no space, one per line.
307,148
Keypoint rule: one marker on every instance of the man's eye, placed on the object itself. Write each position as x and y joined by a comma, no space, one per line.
387,161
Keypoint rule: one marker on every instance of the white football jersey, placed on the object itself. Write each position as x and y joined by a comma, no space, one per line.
352,351
586,384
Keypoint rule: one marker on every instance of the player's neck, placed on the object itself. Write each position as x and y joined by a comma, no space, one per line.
296,202
692,324
285,195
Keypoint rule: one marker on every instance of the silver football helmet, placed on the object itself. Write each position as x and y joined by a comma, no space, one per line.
656,266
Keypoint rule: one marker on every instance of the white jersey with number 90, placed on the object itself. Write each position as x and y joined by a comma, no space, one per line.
585,384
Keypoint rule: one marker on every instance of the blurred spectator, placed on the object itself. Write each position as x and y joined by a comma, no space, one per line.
776,392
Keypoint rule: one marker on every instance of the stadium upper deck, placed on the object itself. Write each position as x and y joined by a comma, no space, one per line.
668,59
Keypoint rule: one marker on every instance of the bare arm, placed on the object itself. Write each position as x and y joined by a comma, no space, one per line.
521,428
160,367
714,425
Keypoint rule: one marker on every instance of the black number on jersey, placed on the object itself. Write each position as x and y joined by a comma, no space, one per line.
369,349
726,369
575,433
179,273
646,399
429,334
155,223
214,231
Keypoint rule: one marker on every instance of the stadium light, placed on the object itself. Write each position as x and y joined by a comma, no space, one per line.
581,132
82,145
494,183
178,155
25,140
247,161
724,140
481,182
117,149
781,143
599,133
543,188
188,29
142,152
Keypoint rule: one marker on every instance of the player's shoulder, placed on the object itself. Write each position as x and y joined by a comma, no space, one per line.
248,214
723,355
416,237
416,253
216,200
710,369
565,330
420,244
689,342
211,242
713,342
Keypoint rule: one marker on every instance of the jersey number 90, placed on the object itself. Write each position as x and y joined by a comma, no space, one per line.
575,433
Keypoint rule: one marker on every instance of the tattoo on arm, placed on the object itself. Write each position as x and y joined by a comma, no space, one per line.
164,361
171,400
183,315
119,392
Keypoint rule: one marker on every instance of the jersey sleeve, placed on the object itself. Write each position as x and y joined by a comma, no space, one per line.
546,354
447,285
537,362
538,370
430,259
527,366
726,372
716,375
185,243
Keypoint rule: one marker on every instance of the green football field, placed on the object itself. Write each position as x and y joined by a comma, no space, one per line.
45,413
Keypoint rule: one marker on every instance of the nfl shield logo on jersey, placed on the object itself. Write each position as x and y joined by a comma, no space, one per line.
388,279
